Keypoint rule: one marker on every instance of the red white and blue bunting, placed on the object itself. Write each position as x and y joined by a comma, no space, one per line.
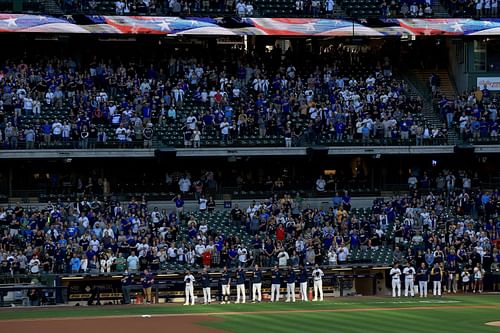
174,26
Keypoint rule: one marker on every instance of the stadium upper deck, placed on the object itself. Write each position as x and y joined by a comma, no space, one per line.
259,8
178,97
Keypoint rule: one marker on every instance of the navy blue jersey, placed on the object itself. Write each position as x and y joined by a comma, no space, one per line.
291,277
275,277
147,280
224,279
240,277
127,280
303,276
205,280
422,274
257,276
436,274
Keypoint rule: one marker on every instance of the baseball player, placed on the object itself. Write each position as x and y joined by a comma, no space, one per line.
189,281
437,277
409,273
257,285
205,284
225,281
396,281
423,280
240,285
290,284
303,283
275,284
318,283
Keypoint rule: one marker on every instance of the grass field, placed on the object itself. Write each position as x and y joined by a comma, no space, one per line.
355,314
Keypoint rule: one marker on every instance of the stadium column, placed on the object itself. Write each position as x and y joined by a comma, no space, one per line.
10,181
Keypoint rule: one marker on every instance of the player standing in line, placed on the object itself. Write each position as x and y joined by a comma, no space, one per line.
303,283
205,284
257,285
275,284
423,280
437,277
189,281
318,283
225,281
290,284
396,280
409,273
240,285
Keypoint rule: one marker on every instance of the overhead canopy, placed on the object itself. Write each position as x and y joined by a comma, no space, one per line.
176,26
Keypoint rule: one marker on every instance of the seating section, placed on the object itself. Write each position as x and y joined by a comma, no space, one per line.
357,9
276,8
27,6
361,8
333,101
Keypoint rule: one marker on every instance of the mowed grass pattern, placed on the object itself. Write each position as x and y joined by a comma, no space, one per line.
411,321
369,314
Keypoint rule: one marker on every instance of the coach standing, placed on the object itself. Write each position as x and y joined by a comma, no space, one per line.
290,284
189,281
437,277
225,281
147,283
423,280
275,284
395,274
303,283
240,285
126,283
205,284
257,285
409,273
318,283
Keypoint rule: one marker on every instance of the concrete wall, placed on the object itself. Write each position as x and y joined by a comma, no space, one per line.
458,64
461,60
191,205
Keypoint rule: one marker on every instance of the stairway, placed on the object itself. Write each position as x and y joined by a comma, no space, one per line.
339,13
439,10
447,86
418,83
51,7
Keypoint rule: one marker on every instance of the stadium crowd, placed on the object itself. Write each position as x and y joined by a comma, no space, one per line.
405,8
93,236
450,233
344,95
301,8
454,225
472,8
474,114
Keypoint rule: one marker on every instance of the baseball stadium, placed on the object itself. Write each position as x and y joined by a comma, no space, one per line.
247,165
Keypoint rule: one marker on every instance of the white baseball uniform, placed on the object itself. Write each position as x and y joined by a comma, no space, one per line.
396,282
189,280
409,273
318,284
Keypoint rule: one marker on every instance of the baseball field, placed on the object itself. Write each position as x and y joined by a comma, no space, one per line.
354,314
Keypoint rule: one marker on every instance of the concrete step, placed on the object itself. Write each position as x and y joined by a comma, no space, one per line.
447,87
52,8
439,10
418,83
